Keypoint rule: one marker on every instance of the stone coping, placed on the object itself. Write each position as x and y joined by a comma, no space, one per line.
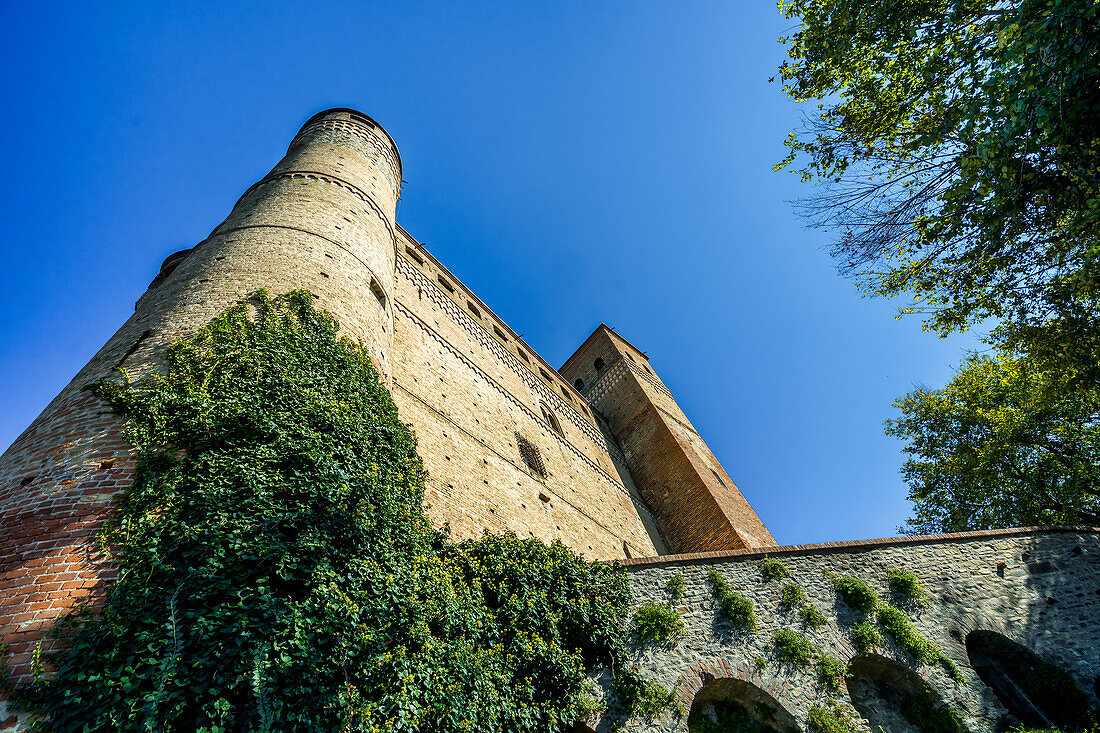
852,545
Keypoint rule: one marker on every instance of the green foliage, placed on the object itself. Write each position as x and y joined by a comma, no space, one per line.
831,718
794,595
866,637
793,647
655,622
276,570
832,672
857,594
730,717
958,146
642,699
675,586
952,669
925,711
736,608
812,617
773,569
898,625
1006,443
1053,689
760,663
907,585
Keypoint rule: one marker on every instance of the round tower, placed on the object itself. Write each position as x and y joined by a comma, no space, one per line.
323,220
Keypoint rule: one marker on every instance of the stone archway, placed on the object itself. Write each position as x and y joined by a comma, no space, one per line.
895,698
1036,692
730,705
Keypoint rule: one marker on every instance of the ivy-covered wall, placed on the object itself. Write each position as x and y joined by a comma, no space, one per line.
1034,587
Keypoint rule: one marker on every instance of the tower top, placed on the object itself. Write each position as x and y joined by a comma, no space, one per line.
347,114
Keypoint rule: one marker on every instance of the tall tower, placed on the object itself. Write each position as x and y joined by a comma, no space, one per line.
695,502
322,219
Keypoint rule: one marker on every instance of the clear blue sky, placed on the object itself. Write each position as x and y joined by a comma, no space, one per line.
573,162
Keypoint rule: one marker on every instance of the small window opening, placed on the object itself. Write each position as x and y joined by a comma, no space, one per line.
446,285
379,293
565,392
629,356
523,356
550,418
137,345
473,309
599,364
579,384
544,374
718,478
529,452
413,255
500,334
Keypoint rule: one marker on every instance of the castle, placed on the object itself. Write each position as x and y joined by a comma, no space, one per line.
597,454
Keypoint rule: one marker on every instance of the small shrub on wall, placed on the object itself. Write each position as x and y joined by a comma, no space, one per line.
736,608
655,622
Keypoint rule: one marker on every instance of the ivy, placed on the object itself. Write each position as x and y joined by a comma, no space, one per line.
793,647
831,718
906,585
898,625
654,622
866,637
773,569
675,586
736,608
642,699
277,572
832,672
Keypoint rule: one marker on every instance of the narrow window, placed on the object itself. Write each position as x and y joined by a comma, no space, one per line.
544,374
529,452
500,334
550,418
579,384
446,285
413,255
718,478
379,293
565,392
598,364
523,356
473,309
629,356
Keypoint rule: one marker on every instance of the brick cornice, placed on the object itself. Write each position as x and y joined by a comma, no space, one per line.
853,545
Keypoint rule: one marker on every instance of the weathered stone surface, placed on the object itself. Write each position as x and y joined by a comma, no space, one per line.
1055,614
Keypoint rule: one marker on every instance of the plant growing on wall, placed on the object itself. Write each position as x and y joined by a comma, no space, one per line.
904,584
277,572
793,648
857,594
773,569
831,718
832,672
654,622
675,586
736,608
866,637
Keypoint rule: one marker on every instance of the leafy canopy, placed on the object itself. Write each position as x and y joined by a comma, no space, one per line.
276,571
958,144
1005,443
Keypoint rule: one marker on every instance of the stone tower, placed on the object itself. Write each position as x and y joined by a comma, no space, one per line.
322,219
695,502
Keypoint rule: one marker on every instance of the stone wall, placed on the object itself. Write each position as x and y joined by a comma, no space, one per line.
1035,587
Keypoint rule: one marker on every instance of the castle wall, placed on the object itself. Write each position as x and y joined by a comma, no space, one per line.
471,389
1036,587
323,219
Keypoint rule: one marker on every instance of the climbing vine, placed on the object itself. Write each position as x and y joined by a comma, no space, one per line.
277,572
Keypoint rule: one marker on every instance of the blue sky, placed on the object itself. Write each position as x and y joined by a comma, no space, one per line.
573,162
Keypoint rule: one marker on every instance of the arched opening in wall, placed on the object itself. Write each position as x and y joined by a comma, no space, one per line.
896,699
728,704
1036,692
579,384
550,418
598,364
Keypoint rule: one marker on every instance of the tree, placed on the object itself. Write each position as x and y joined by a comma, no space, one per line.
1005,443
958,148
